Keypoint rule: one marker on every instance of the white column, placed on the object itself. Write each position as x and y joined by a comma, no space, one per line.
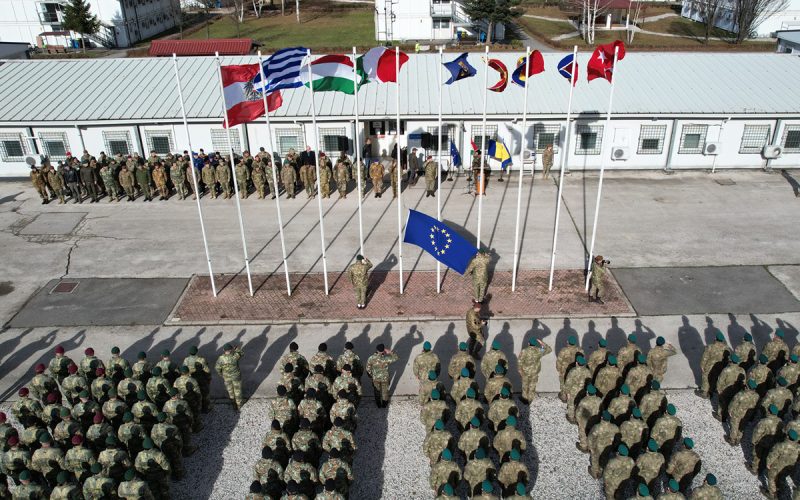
357,154
481,182
399,172
521,169
439,170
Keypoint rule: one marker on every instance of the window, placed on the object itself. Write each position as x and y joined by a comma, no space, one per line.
159,141
219,140
754,138
590,139
447,132
12,147
441,24
377,127
693,139
289,138
393,127
477,134
791,139
118,142
55,145
651,139
334,139
544,135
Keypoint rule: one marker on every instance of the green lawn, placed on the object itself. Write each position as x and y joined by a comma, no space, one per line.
684,27
340,29
543,28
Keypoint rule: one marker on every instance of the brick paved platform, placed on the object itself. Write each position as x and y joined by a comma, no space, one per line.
419,302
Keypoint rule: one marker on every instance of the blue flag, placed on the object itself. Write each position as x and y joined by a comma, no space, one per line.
499,151
437,239
454,155
459,69
566,66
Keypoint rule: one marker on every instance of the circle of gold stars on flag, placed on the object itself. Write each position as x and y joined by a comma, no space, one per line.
442,233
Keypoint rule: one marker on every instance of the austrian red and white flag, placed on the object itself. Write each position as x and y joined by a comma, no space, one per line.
242,102
601,64
380,66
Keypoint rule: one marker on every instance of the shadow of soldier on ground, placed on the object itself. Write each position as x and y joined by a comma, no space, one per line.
691,346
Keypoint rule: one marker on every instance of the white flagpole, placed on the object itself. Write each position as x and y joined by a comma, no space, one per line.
194,175
274,175
606,129
564,154
316,166
521,168
481,182
399,171
358,154
439,169
233,177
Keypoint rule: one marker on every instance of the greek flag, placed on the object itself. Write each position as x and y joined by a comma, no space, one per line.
282,70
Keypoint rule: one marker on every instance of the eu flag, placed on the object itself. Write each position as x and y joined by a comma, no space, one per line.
459,69
455,155
437,239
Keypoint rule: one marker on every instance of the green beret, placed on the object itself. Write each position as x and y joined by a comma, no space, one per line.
720,336
794,358
147,444
735,359
426,346
127,417
622,450
161,416
465,372
128,372
83,394
141,395
641,358
711,479
227,347
471,393
462,346
111,441
62,477
96,468
763,359
515,454
431,375
64,413
505,392
688,443
625,389
673,485
752,384
172,391
447,489
435,394
112,393
156,371
748,337
793,435
44,437
591,389
495,345
142,355
447,454
439,425
652,445
636,412
655,385
130,474
115,350
475,422
486,486
193,350
606,416
602,343
773,409
184,369
534,342
671,409
779,333
782,381
572,340
581,360
480,453
25,475
165,352
661,341
644,491
632,338
499,369
521,490
511,421
612,360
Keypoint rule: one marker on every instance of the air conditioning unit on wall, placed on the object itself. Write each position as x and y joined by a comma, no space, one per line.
772,151
712,148
620,153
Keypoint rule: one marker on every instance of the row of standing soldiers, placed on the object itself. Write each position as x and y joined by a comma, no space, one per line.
480,451
761,390
310,446
625,422
104,430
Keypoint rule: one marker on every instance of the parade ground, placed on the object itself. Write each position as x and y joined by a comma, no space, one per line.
690,252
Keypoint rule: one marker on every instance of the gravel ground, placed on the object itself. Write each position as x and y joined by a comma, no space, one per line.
390,464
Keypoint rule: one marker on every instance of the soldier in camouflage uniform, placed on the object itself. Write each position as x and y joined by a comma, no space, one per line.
98,432
426,361
359,277
209,177
325,175
530,364
639,377
168,439
574,386
47,460
445,471
228,367
509,438
768,431
462,384
110,183
259,179
479,269
684,464
98,486
340,438
393,177
126,180
56,181
475,330
223,177
242,176
376,172
308,178
781,461
189,390
587,414
634,432
472,438
598,357
731,380
79,459
478,470
378,370
141,368
618,472
59,365
565,359
302,473
289,178
89,364
27,489
199,369
711,363
42,383
597,284
114,460
459,361
780,396
337,469
434,409
603,436
776,351
131,434
791,372
143,180
762,374
650,465
66,490
342,175
157,387
746,351
160,181
154,467
116,366
39,183
73,384
436,441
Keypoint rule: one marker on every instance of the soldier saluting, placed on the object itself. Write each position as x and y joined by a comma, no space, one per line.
359,277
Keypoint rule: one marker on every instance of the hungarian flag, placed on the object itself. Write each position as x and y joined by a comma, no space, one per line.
334,73
601,64
242,102
379,64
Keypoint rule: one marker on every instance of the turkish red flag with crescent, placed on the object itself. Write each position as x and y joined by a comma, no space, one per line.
601,64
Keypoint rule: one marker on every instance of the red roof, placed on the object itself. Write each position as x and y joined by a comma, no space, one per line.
615,4
225,46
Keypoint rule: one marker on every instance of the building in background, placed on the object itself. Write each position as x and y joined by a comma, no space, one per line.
124,22
14,50
434,20
787,19
788,41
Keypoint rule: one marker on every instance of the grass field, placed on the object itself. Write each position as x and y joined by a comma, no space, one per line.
643,41
684,27
338,29
544,28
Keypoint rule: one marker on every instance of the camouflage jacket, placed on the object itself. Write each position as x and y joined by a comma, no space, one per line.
228,365
378,366
359,273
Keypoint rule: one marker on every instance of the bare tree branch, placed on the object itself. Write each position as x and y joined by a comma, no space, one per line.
749,15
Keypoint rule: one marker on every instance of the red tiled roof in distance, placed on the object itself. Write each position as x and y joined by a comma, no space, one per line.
225,47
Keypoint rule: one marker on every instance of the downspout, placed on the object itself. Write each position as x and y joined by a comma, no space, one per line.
668,166
775,135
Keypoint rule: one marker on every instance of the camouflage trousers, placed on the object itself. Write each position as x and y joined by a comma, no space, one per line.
597,287
529,386
776,475
242,185
112,188
381,389
260,190
158,483
180,188
475,343
361,295
479,289
234,388
430,185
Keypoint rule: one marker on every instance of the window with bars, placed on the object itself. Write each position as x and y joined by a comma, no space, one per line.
693,139
219,140
333,140
754,138
441,23
545,135
590,139
791,139
118,142
448,131
55,145
477,134
289,138
12,147
159,141
651,139
393,127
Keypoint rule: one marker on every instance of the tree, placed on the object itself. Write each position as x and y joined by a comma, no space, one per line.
237,14
492,12
708,11
79,19
590,11
749,15
634,18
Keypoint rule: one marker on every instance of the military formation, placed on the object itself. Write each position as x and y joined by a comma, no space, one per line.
632,434
756,394
98,430
308,451
487,439
118,177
